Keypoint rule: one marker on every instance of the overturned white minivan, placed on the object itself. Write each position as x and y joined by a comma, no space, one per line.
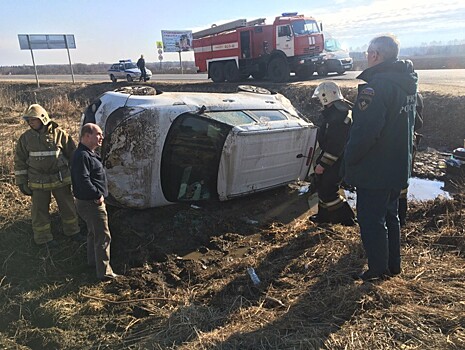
167,147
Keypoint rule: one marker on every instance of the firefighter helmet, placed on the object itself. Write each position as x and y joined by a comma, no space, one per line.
328,92
37,111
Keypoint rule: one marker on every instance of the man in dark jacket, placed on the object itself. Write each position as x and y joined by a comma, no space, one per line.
332,137
141,66
90,189
378,155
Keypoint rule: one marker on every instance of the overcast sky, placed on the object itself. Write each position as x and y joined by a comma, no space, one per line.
109,30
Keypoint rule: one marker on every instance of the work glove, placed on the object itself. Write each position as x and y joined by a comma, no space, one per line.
24,188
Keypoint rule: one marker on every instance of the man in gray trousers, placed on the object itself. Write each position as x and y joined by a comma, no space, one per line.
90,188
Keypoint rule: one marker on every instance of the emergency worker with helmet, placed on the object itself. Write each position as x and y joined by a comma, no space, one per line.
41,165
332,138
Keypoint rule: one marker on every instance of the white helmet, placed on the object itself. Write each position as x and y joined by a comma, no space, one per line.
37,111
328,92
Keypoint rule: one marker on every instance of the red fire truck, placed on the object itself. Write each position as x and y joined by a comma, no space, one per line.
238,49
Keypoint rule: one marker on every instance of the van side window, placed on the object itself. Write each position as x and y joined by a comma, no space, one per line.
191,158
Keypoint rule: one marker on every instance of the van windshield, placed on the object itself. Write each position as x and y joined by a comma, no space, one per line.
332,45
305,27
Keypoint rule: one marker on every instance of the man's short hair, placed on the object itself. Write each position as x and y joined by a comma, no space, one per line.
386,45
87,129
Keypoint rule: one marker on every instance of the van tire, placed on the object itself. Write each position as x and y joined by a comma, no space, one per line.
113,78
129,78
322,71
305,72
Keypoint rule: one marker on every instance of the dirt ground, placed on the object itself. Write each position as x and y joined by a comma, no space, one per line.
184,281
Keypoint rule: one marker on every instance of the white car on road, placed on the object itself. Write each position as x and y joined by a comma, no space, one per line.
127,70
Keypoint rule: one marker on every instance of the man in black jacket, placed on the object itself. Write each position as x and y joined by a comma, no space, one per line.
90,189
378,155
332,138
141,66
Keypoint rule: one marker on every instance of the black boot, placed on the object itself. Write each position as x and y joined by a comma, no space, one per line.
322,217
343,215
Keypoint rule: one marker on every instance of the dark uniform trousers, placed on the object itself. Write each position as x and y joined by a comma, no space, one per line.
98,235
41,199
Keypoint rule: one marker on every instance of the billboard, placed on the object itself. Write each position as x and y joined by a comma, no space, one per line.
46,41
177,40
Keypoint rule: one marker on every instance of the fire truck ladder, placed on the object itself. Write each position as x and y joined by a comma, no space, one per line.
227,27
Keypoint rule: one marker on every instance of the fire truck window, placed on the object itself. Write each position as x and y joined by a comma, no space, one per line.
191,158
305,27
245,44
268,115
284,31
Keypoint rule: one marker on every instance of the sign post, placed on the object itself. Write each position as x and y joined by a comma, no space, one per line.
160,56
33,63
69,59
46,42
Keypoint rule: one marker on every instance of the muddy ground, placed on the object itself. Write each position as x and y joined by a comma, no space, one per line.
185,283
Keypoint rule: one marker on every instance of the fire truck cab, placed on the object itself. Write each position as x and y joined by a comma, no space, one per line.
238,49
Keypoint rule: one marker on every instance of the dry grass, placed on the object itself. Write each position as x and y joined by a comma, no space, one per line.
307,298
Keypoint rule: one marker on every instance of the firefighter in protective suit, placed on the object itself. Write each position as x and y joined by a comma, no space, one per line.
332,138
42,168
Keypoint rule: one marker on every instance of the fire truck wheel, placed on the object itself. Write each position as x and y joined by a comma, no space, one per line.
278,70
231,72
217,72
259,75
245,76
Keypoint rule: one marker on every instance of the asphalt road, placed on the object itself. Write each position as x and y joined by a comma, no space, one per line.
446,77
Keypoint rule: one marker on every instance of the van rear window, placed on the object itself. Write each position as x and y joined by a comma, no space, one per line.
268,115
230,117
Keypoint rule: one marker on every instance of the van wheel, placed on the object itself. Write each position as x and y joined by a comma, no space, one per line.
231,72
340,71
322,71
113,78
305,73
278,70
128,78
216,72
